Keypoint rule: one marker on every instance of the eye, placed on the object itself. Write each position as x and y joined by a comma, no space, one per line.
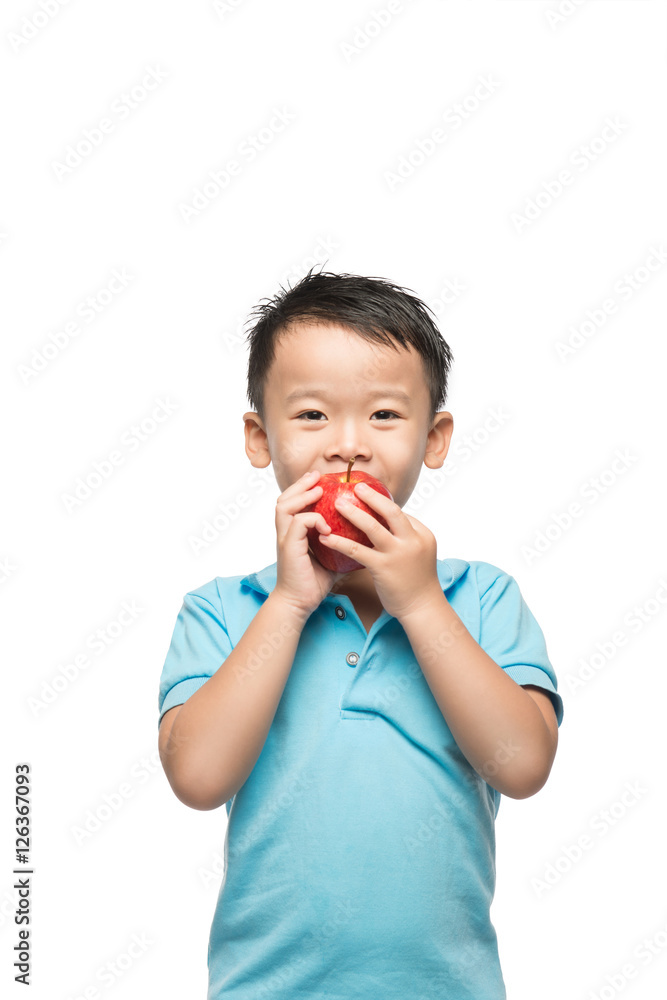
307,412
302,415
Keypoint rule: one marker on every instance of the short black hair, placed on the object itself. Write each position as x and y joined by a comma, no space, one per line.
376,309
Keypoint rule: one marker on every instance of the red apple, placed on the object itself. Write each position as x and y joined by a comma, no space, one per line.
334,485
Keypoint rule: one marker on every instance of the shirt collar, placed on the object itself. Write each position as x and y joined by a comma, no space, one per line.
264,580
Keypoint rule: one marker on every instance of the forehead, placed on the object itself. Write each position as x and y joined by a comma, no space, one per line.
310,355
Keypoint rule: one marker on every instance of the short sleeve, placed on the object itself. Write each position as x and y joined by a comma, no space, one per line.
512,638
199,645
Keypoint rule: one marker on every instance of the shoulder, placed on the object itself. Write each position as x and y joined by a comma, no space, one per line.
214,590
472,574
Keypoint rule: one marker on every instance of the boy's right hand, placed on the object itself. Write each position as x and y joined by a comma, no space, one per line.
301,579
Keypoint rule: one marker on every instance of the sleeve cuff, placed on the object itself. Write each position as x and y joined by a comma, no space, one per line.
179,693
525,674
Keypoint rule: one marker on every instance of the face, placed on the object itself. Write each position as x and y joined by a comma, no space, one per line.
345,409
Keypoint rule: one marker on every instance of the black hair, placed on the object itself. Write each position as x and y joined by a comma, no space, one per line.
376,309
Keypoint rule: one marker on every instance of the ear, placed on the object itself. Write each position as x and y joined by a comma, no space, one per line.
437,443
256,440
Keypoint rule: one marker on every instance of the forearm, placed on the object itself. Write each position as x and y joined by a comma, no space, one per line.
220,731
497,725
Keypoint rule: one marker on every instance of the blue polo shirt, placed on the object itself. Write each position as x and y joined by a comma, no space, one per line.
360,852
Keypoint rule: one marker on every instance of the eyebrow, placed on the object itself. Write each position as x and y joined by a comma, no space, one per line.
321,393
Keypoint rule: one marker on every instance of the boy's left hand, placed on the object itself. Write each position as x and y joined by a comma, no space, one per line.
402,560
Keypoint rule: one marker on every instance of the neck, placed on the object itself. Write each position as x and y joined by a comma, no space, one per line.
359,580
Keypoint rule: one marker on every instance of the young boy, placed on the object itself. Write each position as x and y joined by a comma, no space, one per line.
359,728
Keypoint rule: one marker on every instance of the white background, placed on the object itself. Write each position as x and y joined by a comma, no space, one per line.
321,191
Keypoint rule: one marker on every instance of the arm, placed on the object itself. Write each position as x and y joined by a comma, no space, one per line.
209,745
499,727
507,733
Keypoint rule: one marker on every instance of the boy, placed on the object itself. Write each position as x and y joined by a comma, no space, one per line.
359,728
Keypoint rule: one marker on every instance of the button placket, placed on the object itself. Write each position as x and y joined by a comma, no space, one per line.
352,658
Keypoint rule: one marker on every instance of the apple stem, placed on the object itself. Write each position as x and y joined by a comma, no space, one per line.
349,466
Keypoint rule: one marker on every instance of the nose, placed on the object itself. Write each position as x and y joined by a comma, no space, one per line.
347,442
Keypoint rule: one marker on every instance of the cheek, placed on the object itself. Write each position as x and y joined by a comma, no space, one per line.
291,455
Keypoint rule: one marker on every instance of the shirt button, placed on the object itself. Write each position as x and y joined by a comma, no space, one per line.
340,611
352,659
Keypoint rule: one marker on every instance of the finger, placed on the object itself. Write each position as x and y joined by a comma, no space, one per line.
300,524
305,482
291,503
362,519
287,508
356,550
296,501
390,510
311,519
